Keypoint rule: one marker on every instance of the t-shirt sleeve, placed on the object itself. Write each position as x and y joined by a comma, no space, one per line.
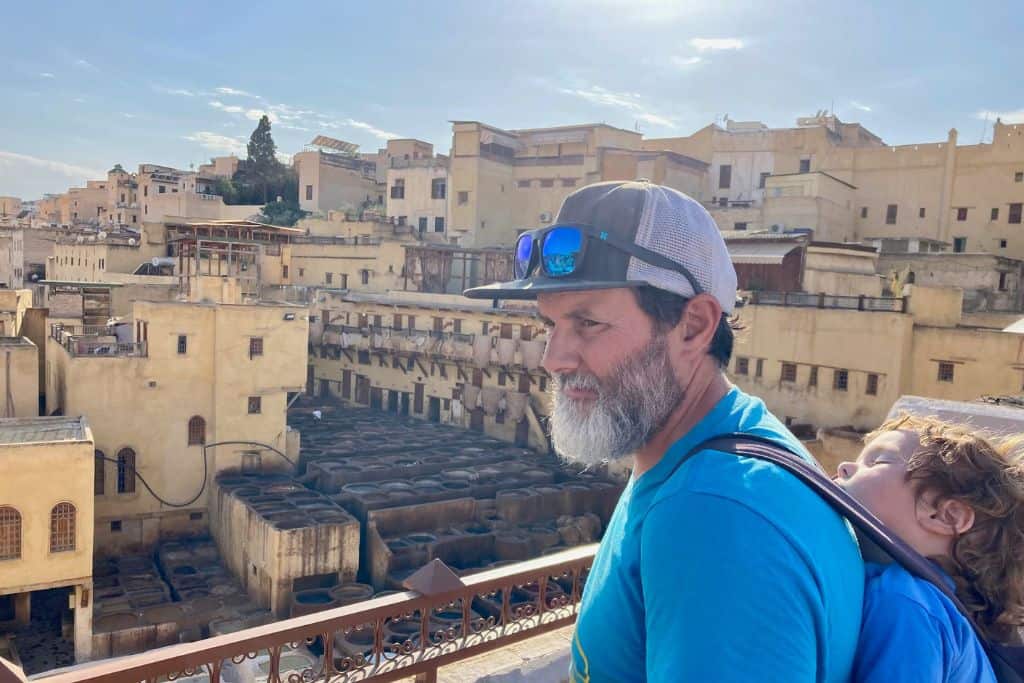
899,641
727,596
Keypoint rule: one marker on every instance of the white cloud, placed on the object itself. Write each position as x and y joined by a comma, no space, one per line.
373,130
256,114
715,44
235,92
9,159
630,102
217,142
83,64
174,91
46,74
858,105
687,62
1014,116
80,100
127,115
229,108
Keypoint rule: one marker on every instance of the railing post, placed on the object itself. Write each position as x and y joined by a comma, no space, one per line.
860,302
821,299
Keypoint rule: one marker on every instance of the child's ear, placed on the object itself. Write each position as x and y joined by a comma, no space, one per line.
949,517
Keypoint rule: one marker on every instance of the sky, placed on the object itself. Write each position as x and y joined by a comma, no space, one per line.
88,85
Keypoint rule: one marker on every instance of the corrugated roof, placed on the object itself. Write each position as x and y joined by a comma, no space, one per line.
760,253
23,430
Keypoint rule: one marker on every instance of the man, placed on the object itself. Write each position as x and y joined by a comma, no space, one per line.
717,569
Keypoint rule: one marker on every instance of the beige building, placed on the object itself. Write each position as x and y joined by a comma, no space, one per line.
334,176
46,522
502,182
845,184
9,206
86,205
220,167
162,390
417,182
989,282
122,198
12,258
20,372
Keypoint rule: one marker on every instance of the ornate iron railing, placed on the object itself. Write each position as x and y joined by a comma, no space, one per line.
383,639
812,300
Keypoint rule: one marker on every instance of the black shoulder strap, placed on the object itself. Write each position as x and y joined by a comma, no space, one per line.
1008,661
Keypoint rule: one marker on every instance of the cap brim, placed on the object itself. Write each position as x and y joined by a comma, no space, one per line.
531,287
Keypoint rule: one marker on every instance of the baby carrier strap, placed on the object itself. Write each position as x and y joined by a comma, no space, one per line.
1007,660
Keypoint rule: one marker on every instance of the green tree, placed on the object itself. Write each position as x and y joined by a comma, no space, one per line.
262,163
286,213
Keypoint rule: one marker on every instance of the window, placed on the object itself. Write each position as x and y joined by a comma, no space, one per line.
1015,212
328,278
463,198
547,182
364,276
1002,244
255,405
145,190
739,226
1018,177
10,533
1002,281
863,212
439,224
961,213
812,381
994,215
62,527
98,472
255,347
161,189
759,368
302,272
805,165
840,380
872,387
398,189
309,193
788,372
724,176
763,180
959,244
920,212
568,182
945,372
126,471
890,214
522,183
723,202
115,526
742,366
438,188
344,280
423,224
284,272
402,220
196,431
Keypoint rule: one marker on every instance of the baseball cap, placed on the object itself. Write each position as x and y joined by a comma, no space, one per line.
652,217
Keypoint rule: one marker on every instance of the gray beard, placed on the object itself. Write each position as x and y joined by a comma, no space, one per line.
633,404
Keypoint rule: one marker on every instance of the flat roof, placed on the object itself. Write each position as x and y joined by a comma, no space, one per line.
827,175
77,283
23,430
15,341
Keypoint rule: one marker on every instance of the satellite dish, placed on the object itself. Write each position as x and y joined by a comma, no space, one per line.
102,234
155,261
131,241
79,239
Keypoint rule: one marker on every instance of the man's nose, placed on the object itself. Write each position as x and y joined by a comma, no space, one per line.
847,469
560,355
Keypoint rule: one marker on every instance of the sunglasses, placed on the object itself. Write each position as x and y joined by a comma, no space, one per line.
559,250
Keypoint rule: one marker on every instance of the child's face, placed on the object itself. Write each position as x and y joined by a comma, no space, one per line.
878,479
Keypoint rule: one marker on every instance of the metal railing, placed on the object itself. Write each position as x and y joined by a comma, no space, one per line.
95,341
383,639
831,301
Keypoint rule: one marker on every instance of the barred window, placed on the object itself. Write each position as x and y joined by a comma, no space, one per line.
98,475
255,346
789,372
62,527
742,365
840,380
196,431
946,372
10,533
126,471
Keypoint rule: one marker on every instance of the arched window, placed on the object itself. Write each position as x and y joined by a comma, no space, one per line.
62,527
99,472
10,533
196,431
126,471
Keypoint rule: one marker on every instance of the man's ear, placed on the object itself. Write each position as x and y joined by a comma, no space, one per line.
700,321
949,517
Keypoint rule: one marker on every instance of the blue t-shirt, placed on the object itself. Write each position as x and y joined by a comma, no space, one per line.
729,570
912,632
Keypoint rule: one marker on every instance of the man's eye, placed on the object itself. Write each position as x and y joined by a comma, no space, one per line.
588,323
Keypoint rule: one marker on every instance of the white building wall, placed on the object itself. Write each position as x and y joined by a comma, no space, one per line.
418,202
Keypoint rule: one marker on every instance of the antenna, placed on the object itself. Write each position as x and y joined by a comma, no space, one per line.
984,129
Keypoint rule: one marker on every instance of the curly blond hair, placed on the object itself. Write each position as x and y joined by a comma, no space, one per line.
987,560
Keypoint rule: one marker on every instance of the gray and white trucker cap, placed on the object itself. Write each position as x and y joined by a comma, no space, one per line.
653,217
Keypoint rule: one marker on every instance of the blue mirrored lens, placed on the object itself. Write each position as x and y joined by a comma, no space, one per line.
561,251
524,255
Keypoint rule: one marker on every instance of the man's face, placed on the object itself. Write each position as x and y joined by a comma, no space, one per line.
614,379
